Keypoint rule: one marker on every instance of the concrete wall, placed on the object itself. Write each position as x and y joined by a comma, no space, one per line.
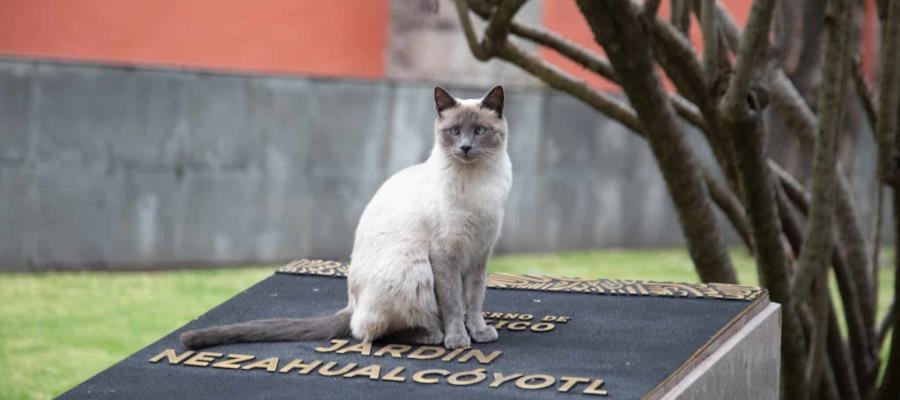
134,168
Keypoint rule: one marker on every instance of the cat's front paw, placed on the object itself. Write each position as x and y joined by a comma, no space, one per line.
456,341
488,334
435,337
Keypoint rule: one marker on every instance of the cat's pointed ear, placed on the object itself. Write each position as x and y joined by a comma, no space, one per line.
494,100
442,99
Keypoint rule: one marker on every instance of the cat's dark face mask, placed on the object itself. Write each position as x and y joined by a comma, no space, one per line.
470,131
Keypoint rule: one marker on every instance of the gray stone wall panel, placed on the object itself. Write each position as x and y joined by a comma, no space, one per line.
75,215
18,195
16,104
137,168
93,116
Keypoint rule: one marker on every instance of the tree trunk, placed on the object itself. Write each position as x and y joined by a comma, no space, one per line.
616,27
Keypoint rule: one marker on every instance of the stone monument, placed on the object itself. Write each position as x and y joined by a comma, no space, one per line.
559,337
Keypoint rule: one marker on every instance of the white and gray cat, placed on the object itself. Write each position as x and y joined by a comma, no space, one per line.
419,259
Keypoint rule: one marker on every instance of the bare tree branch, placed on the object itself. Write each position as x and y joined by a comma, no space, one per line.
790,221
772,265
710,41
552,40
803,123
553,75
729,27
616,27
754,42
689,112
651,7
586,59
743,120
840,361
865,94
474,44
889,98
559,79
576,53
680,15
838,354
787,101
829,388
731,206
679,60
889,147
498,26
890,387
819,341
675,53
877,227
862,355
794,190
885,326
851,236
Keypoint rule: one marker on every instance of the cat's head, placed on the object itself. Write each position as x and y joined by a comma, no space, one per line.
470,130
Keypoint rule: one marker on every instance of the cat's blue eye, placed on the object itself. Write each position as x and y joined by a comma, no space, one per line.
480,130
455,130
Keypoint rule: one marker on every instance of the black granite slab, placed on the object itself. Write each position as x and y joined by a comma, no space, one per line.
632,343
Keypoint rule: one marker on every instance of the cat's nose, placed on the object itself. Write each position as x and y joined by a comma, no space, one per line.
465,149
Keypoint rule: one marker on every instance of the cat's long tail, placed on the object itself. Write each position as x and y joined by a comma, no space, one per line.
271,330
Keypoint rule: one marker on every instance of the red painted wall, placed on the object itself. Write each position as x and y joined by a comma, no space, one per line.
320,37
564,18
342,38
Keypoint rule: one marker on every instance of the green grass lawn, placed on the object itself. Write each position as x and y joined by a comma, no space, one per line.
58,329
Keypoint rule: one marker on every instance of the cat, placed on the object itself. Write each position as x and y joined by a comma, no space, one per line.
419,259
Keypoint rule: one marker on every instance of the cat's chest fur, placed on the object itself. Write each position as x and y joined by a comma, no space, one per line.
471,211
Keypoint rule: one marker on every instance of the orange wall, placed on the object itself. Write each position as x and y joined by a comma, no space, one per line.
318,37
321,37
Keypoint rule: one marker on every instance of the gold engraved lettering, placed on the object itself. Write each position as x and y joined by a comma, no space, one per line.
326,369
233,362
543,327
202,358
501,324
596,286
394,375
594,388
361,348
423,376
303,368
517,326
569,382
171,356
427,353
270,364
534,382
454,353
563,319
466,378
500,379
483,359
395,350
372,371
335,344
